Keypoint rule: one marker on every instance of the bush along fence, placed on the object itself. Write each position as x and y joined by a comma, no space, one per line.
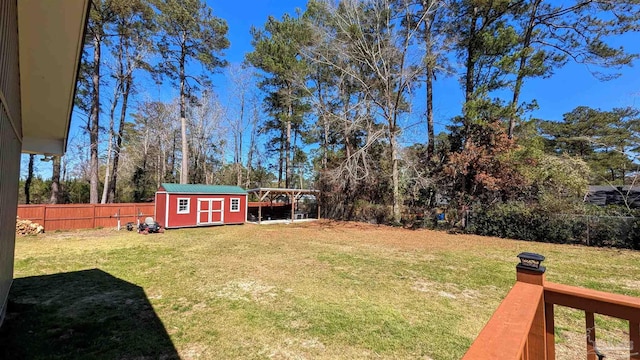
85,216
538,225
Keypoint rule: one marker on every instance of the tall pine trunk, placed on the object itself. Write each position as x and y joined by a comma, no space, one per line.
395,178
116,155
27,182
94,121
55,181
281,158
430,65
184,169
288,144
112,112
252,145
430,132
521,67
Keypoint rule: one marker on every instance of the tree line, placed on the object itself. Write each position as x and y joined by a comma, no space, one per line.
323,99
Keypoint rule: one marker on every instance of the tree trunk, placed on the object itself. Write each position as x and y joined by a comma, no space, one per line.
55,181
523,63
469,87
112,112
347,133
94,122
184,169
173,158
430,132
116,155
252,145
470,63
239,142
325,123
27,182
395,177
288,144
281,159
430,64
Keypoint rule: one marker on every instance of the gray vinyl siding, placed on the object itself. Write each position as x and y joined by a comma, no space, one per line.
10,142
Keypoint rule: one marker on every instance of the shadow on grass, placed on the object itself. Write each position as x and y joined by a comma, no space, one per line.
86,314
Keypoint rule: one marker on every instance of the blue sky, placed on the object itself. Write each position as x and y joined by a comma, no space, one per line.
570,86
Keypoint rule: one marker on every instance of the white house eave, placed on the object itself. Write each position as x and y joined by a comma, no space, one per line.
50,37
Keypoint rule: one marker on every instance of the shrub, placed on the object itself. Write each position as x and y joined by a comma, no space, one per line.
524,222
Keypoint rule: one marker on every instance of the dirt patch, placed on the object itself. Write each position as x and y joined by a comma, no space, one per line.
247,290
445,290
295,349
631,284
192,351
406,238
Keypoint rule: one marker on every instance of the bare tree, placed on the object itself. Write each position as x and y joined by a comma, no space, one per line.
206,135
242,81
366,34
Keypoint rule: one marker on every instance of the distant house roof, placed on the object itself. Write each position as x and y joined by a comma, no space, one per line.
201,189
603,195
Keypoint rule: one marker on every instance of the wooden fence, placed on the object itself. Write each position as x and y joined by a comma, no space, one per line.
85,216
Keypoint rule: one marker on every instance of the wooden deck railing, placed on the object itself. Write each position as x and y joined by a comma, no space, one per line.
522,328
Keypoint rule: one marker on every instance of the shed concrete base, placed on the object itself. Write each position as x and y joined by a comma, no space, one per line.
283,221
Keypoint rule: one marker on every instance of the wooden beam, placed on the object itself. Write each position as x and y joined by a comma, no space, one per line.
293,206
260,209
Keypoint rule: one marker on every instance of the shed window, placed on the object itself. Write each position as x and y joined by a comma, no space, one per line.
235,204
183,206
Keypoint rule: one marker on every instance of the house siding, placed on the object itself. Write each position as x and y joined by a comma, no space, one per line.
10,144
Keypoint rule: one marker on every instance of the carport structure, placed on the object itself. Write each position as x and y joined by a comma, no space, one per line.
293,195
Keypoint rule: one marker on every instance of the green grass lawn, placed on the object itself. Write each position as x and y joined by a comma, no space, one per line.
308,291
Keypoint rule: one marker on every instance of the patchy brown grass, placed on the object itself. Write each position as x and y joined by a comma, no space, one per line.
319,290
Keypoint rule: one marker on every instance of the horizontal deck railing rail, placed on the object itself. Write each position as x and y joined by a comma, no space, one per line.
508,333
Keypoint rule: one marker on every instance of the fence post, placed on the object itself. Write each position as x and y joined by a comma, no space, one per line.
530,271
44,217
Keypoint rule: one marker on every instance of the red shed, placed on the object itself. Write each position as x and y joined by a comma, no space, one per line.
187,205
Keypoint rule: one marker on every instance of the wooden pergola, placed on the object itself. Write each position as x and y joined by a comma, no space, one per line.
293,194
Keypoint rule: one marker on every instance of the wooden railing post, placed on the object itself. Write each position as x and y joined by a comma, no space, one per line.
529,270
634,340
590,325
550,335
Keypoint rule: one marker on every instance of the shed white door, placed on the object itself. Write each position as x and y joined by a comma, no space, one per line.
210,211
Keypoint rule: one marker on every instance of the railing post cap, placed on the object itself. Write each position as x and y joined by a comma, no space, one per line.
531,261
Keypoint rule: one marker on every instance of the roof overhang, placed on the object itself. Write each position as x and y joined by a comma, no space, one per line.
50,37
283,191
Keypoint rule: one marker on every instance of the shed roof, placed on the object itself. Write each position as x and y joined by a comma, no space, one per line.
202,189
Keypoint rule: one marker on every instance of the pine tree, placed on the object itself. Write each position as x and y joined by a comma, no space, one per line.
189,33
277,52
